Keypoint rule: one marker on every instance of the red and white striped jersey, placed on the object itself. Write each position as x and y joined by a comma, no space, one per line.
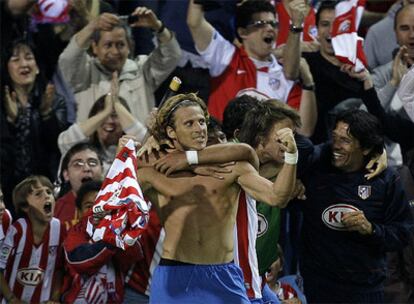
29,268
139,276
245,233
5,224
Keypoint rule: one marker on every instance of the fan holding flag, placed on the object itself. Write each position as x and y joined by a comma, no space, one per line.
120,212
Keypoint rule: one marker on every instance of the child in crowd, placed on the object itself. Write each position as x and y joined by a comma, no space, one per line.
96,269
31,256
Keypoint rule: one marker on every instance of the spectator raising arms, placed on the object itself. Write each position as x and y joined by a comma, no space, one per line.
109,119
90,76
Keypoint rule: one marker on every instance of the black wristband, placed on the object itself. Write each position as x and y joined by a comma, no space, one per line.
308,87
161,29
296,29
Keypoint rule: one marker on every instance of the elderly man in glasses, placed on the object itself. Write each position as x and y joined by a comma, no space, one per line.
252,65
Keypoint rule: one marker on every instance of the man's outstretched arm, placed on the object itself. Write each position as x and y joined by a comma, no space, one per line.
201,30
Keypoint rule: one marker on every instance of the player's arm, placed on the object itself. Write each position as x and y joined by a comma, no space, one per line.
169,187
278,193
201,30
215,154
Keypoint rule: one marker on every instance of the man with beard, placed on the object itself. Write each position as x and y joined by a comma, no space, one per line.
252,65
81,163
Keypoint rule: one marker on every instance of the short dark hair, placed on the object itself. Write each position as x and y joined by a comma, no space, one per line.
235,112
79,147
214,124
260,119
82,146
24,188
96,36
366,128
85,188
325,5
247,9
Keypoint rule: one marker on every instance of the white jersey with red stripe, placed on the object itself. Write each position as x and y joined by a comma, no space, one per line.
270,80
5,224
29,268
245,233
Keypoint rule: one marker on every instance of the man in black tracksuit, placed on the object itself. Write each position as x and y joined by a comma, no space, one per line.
350,222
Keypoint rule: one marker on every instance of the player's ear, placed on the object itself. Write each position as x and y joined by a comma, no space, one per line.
242,32
171,133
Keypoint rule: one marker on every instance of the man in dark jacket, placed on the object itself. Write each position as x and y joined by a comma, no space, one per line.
350,222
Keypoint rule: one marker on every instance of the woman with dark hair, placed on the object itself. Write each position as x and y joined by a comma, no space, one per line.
108,120
32,116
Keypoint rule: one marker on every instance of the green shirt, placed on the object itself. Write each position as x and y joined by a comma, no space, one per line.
267,235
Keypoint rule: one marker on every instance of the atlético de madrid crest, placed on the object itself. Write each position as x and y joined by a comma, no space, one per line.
364,191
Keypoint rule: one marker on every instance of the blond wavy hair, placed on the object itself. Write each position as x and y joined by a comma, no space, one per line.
165,116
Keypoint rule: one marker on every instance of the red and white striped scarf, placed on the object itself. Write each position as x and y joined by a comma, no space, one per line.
122,196
345,41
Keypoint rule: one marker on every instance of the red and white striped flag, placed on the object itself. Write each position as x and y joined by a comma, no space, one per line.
345,41
51,11
122,196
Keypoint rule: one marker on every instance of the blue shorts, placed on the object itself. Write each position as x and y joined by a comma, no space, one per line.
176,282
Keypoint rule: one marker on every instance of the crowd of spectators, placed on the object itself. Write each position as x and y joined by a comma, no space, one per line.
79,75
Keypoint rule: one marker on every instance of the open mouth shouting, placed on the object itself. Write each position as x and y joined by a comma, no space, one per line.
47,208
269,39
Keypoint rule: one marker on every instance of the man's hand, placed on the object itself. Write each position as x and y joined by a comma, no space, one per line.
376,165
299,9
146,18
215,171
150,145
286,140
11,104
273,273
356,221
363,76
399,66
106,22
172,162
123,141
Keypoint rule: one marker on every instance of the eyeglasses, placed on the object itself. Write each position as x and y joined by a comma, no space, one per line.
80,163
262,23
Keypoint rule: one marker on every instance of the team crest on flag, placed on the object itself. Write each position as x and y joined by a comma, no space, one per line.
364,191
120,205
